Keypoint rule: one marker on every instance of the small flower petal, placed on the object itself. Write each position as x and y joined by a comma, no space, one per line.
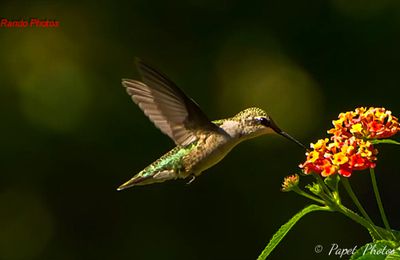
290,182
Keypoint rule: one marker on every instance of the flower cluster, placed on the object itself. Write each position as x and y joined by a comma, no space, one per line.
349,148
366,123
342,156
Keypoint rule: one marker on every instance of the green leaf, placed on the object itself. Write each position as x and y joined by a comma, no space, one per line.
384,234
378,250
395,255
384,141
283,230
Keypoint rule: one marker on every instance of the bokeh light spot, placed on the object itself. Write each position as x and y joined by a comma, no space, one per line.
272,82
53,86
26,225
56,99
363,8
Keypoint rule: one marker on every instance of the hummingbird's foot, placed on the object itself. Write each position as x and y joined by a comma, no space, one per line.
192,178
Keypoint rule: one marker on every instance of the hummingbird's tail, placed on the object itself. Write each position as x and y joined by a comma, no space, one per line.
144,178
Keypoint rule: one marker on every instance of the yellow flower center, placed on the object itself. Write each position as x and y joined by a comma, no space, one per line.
313,156
357,128
340,158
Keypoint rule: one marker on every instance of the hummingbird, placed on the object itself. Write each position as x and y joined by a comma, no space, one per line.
200,142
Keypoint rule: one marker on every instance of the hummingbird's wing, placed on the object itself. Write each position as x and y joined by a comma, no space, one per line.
167,106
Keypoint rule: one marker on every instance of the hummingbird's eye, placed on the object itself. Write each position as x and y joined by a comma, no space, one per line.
264,121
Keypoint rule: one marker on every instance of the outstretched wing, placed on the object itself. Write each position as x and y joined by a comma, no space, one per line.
167,106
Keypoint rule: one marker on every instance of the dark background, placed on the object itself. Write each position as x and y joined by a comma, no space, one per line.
70,135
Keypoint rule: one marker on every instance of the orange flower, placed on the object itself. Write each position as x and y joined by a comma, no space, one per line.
328,170
341,156
368,123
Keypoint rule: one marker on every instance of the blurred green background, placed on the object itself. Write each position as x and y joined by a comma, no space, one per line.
70,135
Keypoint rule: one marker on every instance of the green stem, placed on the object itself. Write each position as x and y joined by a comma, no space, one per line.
309,196
360,220
353,196
378,200
322,184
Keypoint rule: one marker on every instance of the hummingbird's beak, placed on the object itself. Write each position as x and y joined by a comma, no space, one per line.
291,138
284,134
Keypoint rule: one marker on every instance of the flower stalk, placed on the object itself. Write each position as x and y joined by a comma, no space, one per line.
354,198
379,201
307,195
360,220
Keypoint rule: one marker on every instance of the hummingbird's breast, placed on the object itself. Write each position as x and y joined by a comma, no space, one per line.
211,149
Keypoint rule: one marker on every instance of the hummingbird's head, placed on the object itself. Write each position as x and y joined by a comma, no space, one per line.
256,122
